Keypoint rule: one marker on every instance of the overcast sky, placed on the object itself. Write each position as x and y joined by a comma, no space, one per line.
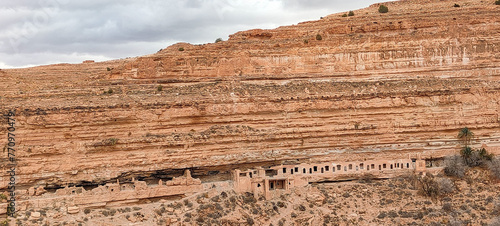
38,32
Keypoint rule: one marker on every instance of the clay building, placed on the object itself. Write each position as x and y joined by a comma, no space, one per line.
272,181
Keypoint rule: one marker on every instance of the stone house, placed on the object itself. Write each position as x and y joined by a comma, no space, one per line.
273,181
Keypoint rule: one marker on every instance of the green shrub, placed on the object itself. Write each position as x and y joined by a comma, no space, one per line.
456,5
110,91
5,222
110,141
383,9
218,40
497,2
475,157
181,49
318,37
108,69
344,15
447,207
306,41
351,13
159,88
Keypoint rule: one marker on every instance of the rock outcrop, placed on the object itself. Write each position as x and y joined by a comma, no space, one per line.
375,86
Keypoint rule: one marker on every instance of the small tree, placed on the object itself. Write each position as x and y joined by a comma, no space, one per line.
466,153
466,135
383,9
218,40
484,154
429,186
351,13
454,166
497,2
318,37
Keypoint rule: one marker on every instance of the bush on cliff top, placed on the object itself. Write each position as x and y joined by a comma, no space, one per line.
383,9
497,2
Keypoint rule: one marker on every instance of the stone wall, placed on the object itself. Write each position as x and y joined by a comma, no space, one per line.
109,194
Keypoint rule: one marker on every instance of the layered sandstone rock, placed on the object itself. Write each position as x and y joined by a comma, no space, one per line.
375,86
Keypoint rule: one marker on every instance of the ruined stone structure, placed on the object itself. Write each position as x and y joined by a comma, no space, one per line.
269,182
106,195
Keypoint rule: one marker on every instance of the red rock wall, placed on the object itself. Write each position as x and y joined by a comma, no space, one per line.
404,84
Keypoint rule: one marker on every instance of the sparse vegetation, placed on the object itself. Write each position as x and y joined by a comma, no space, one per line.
473,157
445,186
107,142
428,186
447,207
454,166
497,2
318,37
218,40
110,91
108,69
344,15
494,167
306,41
181,48
159,88
456,5
383,9
351,13
5,222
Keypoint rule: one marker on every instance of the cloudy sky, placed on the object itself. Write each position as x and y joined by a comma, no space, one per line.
37,32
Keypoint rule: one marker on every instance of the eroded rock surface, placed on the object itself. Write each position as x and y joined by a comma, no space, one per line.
375,86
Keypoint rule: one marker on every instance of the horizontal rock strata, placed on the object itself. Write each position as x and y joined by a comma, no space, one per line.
375,86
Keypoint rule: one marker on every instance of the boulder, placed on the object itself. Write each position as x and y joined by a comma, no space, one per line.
73,209
35,215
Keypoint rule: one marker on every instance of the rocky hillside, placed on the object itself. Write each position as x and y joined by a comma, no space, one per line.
366,86
473,200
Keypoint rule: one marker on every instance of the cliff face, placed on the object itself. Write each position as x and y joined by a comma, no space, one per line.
375,86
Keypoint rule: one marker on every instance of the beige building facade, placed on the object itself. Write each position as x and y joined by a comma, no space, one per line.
274,180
